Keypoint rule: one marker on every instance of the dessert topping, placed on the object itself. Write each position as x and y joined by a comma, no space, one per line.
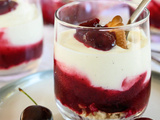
7,6
91,23
102,40
120,34
116,21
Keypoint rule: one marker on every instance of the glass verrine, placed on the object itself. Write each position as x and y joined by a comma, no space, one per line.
21,38
101,69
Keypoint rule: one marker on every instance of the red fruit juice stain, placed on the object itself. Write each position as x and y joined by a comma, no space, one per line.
11,55
101,40
7,6
76,92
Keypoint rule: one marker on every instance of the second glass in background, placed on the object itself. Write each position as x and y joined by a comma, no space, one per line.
154,8
21,38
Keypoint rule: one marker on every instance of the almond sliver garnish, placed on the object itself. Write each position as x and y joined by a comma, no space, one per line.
121,38
120,34
116,20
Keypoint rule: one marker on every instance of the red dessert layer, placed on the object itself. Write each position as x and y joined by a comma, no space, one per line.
11,55
76,92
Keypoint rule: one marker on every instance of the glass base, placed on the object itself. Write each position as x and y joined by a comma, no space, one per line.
19,71
68,114
16,76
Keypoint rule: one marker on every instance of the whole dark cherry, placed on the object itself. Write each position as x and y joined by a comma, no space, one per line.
143,118
7,6
101,40
35,112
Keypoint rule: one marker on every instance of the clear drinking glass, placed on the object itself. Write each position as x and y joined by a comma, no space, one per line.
102,69
21,38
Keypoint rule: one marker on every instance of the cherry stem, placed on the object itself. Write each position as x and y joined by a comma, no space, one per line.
27,96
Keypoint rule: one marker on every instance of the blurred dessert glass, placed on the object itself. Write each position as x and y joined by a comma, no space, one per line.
21,38
100,73
49,7
154,8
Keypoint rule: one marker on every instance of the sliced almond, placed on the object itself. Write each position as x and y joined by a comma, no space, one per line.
121,38
120,34
115,21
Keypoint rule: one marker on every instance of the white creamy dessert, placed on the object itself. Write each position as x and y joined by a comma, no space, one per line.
95,63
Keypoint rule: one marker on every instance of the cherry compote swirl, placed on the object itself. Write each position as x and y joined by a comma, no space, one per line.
101,40
7,6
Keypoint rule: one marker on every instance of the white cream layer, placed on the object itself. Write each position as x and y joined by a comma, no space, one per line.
23,25
106,69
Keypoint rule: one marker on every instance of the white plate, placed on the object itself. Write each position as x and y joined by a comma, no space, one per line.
40,87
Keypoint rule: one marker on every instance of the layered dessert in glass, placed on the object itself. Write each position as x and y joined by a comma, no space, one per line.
154,8
101,65
21,37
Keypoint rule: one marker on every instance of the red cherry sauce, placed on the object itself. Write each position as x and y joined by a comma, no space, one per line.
101,40
154,8
7,6
11,55
76,92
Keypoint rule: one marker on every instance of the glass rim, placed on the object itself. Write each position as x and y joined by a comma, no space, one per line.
70,25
